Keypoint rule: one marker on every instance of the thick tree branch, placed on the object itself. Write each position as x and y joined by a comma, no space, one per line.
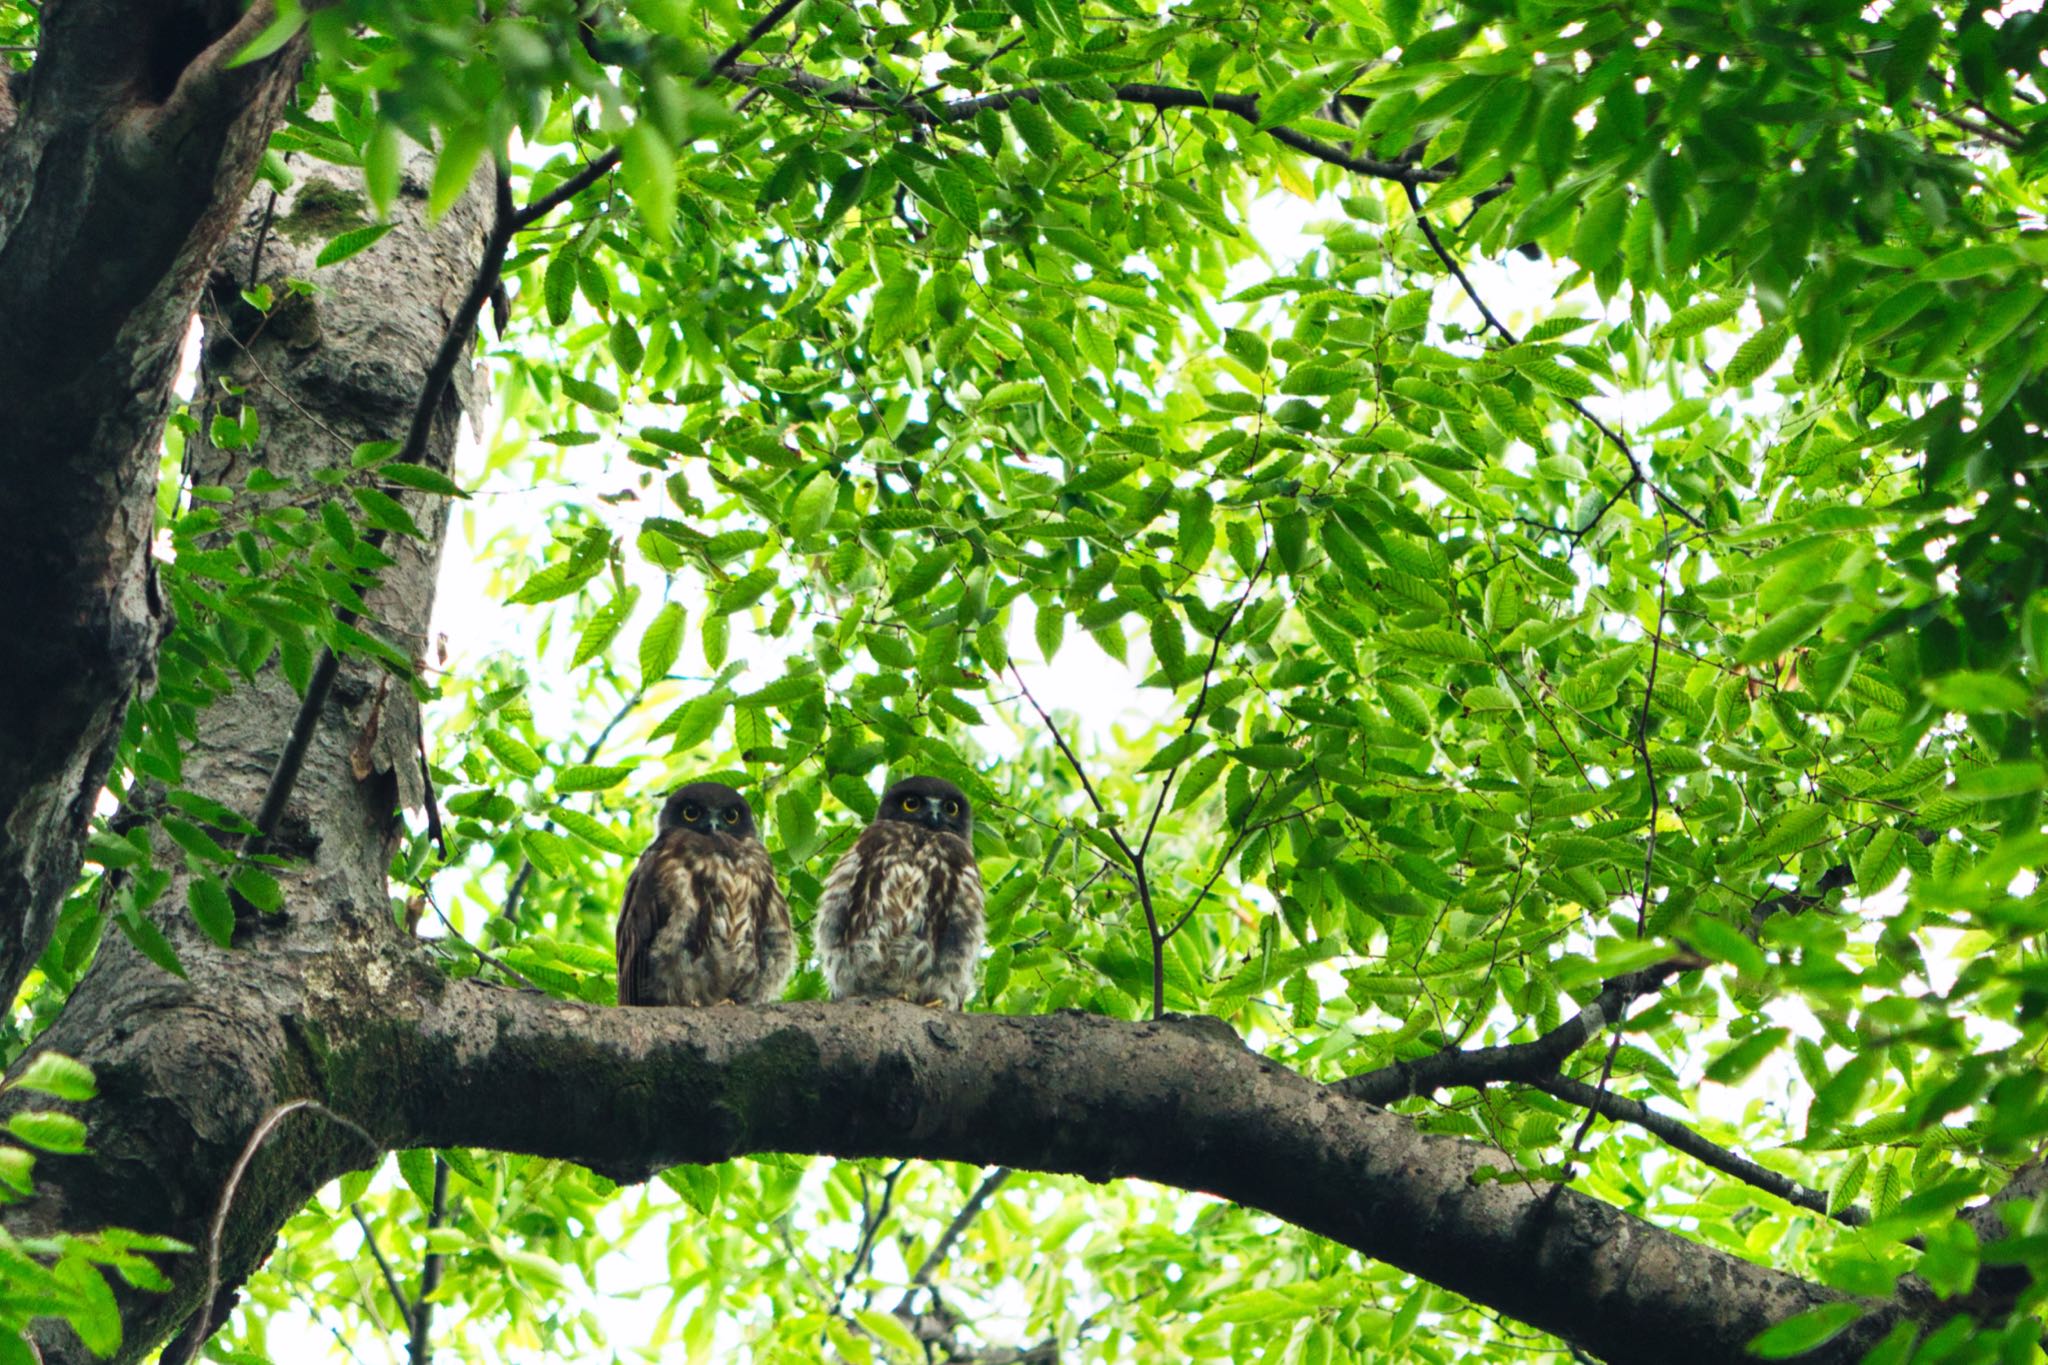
631,1092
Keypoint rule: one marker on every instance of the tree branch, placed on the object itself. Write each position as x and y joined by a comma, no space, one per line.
1528,1062
1241,106
115,197
1596,1100
421,1345
1636,472
492,1068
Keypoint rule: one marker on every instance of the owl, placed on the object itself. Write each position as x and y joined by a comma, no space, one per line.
901,914
703,921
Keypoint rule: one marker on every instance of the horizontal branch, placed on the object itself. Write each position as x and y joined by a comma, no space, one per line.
631,1092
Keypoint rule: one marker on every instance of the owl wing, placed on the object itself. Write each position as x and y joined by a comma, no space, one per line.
768,914
954,918
645,910
835,917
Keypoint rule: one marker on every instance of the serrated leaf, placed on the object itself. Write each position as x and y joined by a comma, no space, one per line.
351,242
588,777
52,1073
1690,321
1756,355
211,910
512,751
1795,1336
661,643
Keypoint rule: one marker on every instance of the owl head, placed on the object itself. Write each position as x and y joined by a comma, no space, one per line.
929,801
707,808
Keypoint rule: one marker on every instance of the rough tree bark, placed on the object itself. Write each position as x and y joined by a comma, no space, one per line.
335,1003
189,1068
119,179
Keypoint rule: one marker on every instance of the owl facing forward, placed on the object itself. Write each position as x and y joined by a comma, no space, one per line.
703,920
902,909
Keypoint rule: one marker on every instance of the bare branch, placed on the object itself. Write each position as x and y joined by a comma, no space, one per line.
1678,1135
936,1257
1528,1062
398,1295
422,1349
197,1332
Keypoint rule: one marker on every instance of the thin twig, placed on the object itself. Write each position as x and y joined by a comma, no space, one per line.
405,1309
1530,1062
1244,106
196,1334
871,1228
1450,263
1139,879
1677,1135
748,39
936,1257
483,956
430,1271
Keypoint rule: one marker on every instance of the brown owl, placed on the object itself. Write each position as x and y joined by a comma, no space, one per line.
703,921
901,914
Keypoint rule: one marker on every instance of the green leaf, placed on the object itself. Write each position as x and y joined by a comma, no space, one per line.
1756,355
1696,318
461,148
259,888
49,1130
604,626
1788,628
150,942
649,167
286,21
810,510
1745,1056
585,777
351,242
1996,781
1796,1336
512,751
211,909
416,1168
52,1073
661,643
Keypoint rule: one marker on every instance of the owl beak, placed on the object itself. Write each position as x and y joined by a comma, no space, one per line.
935,812
714,822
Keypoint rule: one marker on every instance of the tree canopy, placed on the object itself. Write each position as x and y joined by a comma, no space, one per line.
1557,479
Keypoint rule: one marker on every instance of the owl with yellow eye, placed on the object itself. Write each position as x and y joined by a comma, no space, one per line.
901,914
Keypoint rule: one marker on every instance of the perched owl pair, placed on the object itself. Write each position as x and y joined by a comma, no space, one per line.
704,922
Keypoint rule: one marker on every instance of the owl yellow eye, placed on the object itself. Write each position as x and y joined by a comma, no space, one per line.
692,812
909,804
732,815
952,807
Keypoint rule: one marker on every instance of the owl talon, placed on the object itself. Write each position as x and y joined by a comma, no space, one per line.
933,1004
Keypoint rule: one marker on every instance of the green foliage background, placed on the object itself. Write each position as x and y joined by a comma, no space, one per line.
901,347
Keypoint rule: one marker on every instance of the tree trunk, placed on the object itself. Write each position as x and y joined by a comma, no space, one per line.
119,177
189,1069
